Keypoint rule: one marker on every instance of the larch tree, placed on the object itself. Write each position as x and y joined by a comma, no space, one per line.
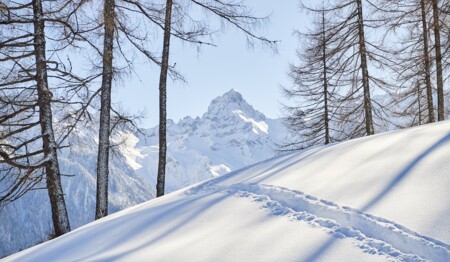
444,12
310,120
426,61
353,56
52,171
160,185
364,70
408,20
32,82
438,60
101,208
41,96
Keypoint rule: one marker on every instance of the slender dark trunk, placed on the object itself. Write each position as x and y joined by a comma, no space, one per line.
101,208
419,102
163,103
426,58
53,176
365,71
437,48
325,82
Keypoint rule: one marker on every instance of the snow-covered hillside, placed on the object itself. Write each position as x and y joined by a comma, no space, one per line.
229,136
379,198
27,221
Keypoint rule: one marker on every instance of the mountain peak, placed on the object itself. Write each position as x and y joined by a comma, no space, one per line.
233,96
229,102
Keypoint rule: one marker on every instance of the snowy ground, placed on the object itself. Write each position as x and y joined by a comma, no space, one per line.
380,198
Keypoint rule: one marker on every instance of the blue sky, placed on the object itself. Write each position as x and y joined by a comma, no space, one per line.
256,73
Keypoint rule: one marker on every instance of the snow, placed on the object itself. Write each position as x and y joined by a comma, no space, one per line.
379,198
198,148
229,136
219,170
28,220
261,126
127,143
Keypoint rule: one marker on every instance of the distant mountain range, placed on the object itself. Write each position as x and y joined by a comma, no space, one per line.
229,136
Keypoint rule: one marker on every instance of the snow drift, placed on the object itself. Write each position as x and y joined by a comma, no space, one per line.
379,198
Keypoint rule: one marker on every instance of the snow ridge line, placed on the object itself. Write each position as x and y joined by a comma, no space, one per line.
373,235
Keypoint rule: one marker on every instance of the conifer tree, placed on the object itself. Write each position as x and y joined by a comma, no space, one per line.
438,59
34,82
353,57
163,102
311,119
413,64
101,208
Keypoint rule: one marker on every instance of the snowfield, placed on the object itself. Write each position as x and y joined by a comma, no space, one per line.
379,198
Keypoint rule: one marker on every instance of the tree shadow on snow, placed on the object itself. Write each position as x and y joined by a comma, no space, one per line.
393,183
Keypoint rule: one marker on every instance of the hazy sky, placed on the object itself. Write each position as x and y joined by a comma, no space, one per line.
256,73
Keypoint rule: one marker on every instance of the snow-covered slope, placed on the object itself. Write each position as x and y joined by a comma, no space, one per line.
27,221
379,198
230,135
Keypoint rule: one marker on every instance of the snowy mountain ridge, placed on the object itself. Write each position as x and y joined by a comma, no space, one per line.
230,135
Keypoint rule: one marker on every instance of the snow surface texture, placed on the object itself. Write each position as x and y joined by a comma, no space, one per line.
379,198
229,136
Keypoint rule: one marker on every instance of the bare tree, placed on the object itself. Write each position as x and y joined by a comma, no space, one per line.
35,80
364,69
413,95
437,50
163,102
27,98
101,208
353,55
311,119
426,61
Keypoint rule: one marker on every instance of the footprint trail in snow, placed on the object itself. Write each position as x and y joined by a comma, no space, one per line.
372,234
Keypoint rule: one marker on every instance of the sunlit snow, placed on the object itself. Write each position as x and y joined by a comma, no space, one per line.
380,198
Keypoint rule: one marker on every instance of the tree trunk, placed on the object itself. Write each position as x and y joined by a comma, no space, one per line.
163,102
101,208
365,71
437,48
325,82
419,102
426,58
53,176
